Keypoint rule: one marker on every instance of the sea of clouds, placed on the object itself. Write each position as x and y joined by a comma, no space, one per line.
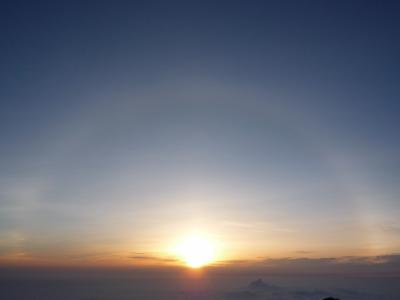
216,287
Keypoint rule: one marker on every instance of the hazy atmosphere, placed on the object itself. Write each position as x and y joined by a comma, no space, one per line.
199,150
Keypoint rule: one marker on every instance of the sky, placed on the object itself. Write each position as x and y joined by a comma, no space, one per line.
268,126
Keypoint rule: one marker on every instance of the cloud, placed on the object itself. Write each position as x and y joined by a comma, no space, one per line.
391,229
235,262
241,295
259,289
384,264
260,284
393,259
310,294
303,252
153,258
301,261
92,255
151,284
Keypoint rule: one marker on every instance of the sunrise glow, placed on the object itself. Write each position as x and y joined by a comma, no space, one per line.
196,251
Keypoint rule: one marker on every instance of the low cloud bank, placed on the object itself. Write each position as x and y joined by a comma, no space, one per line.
260,289
360,265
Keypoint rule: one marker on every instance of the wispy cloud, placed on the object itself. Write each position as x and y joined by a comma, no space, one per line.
303,252
391,229
152,258
384,264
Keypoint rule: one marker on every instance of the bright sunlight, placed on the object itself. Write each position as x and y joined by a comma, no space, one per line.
196,251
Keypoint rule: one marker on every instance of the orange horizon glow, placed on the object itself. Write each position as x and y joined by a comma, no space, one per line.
196,251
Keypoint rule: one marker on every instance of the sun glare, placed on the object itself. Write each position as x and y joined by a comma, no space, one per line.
196,251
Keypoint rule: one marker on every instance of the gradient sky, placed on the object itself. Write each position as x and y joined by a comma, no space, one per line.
271,127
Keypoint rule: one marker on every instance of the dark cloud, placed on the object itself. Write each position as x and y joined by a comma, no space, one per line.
301,261
304,252
310,294
367,265
259,289
154,284
241,295
389,259
235,262
142,256
91,255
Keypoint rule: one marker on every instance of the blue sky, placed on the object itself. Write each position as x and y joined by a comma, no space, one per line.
269,125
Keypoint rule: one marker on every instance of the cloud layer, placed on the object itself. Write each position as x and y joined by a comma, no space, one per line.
360,265
260,289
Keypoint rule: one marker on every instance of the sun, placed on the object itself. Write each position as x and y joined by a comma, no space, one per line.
196,251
